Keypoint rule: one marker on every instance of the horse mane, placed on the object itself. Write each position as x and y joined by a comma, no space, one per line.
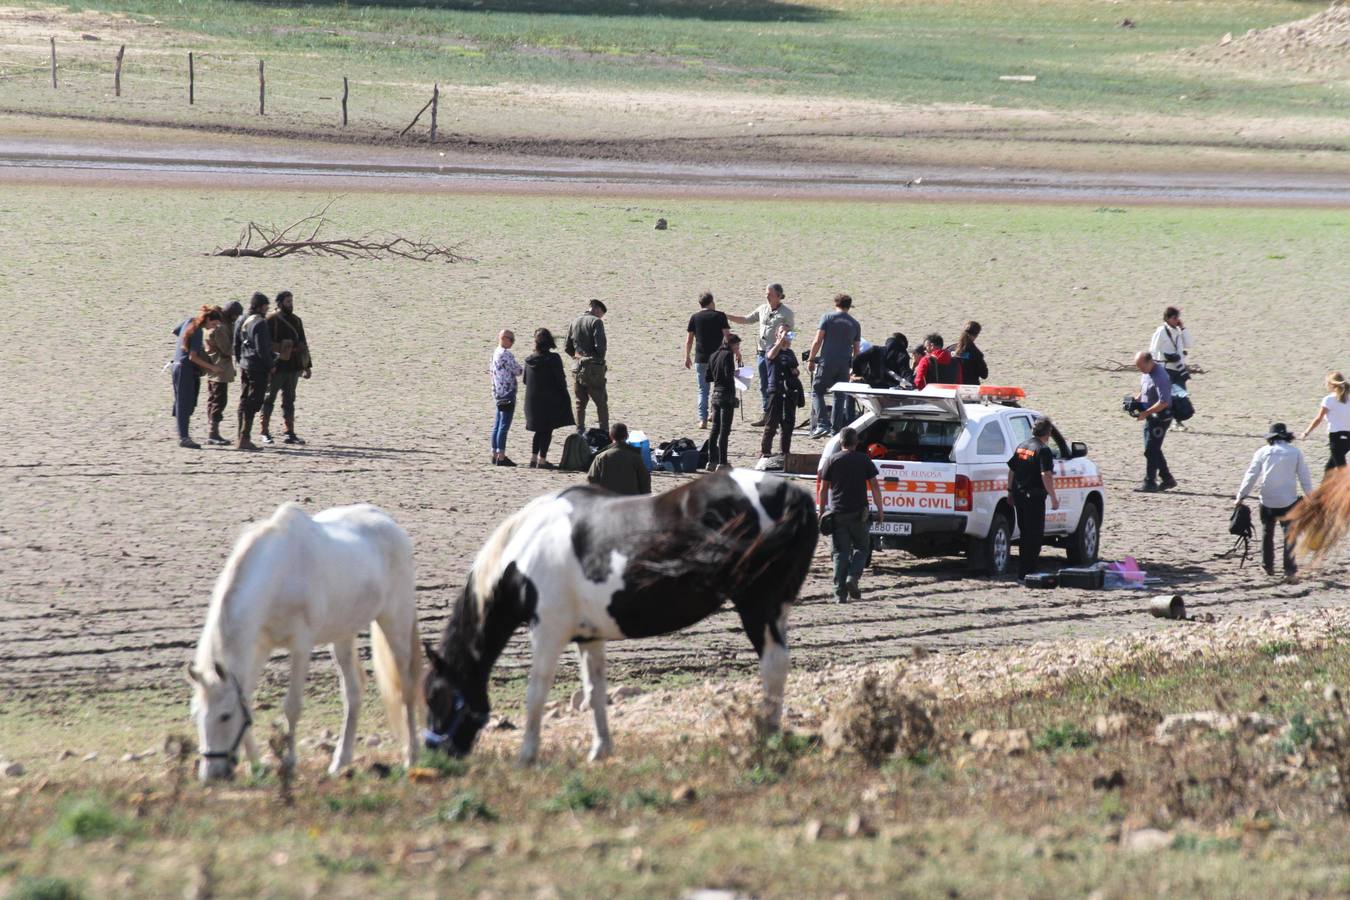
1322,520
488,564
211,649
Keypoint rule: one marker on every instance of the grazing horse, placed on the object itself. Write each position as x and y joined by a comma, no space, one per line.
586,566
294,582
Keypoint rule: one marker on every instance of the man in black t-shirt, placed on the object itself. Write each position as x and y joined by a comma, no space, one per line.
707,329
1031,478
847,478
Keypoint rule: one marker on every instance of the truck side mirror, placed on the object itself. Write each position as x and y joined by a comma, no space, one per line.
1077,450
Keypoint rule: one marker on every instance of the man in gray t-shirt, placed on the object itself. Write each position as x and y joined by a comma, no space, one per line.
837,341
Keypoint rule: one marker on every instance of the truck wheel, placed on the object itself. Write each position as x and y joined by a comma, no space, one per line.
993,553
1085,543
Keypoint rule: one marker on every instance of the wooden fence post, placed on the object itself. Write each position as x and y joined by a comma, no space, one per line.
435,102
262,90
344,101
53,63
192,81
117,70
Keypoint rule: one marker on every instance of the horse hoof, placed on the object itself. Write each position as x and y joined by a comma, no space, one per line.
600,752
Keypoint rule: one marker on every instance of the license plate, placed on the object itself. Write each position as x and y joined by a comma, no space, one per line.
890,528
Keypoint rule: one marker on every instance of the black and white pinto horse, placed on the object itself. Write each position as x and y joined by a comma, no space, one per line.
585,566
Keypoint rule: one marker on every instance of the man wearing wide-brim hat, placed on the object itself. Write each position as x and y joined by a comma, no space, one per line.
1280,469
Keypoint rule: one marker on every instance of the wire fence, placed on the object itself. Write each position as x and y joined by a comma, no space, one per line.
115,81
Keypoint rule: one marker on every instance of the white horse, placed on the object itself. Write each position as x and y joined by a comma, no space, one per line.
295,582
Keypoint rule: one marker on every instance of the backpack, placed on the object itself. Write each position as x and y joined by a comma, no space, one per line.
1182,407
1240,524
576,454
679,455
596,439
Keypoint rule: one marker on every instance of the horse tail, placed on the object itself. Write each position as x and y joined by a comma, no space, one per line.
389,677
780,558
1322,519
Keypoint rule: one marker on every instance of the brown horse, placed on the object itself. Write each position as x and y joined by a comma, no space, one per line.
1322,520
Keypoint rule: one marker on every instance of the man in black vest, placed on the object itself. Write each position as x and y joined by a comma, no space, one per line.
1030,480
285,326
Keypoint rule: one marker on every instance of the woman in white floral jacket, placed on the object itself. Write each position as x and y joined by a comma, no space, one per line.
504,371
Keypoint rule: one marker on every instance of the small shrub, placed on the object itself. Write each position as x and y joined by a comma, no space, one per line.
353,865
1065,736
88,819
1277,648
466,807
576,796
359,803
444,764
49,888
761,776
644,799
880,720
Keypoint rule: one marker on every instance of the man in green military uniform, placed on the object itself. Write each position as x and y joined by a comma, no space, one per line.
586,344
1030,480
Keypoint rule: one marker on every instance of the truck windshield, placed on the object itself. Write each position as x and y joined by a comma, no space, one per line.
911,440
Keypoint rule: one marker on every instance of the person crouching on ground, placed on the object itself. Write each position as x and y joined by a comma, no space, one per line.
1155,398
189,362
846,480
1336,411
219,349
253,354
547,403
1031,479
619,467
1280,468
504,371
293,363
722,378
785,388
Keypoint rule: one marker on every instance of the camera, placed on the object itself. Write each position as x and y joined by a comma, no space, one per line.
1132,406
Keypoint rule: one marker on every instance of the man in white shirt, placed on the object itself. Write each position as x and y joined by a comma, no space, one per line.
770,314
1170,345
1281,470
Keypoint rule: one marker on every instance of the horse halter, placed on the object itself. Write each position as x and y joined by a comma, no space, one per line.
459,714
232,755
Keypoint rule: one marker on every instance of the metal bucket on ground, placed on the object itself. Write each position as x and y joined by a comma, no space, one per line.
1167,606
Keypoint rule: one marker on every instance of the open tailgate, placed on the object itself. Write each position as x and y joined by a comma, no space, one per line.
930,403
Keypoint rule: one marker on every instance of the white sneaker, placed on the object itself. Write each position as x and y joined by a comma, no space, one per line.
769,464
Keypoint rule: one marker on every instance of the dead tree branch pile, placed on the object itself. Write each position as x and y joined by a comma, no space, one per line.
304,238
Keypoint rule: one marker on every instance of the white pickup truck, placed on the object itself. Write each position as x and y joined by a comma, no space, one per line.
943,457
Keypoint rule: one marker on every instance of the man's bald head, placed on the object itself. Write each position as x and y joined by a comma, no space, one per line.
506,338
1143,361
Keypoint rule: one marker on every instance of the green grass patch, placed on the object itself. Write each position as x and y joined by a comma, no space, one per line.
47,888
466,807
351,804
1064,736
577,796
88,818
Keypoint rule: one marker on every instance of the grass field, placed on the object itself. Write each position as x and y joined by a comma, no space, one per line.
608,71
719,808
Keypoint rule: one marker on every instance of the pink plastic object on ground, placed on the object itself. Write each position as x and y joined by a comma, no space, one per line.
1125,573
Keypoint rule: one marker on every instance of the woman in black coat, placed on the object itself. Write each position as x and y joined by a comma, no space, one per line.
548,405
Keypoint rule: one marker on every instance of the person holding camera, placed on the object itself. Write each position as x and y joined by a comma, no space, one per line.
846,480
1170,345
722,378
1152,406
1031,479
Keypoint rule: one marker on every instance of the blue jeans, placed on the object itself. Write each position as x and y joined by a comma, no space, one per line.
763,383
501,426
701,373
820,387
187,382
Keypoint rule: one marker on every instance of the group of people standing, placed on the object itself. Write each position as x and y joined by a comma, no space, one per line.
268,353
548,404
